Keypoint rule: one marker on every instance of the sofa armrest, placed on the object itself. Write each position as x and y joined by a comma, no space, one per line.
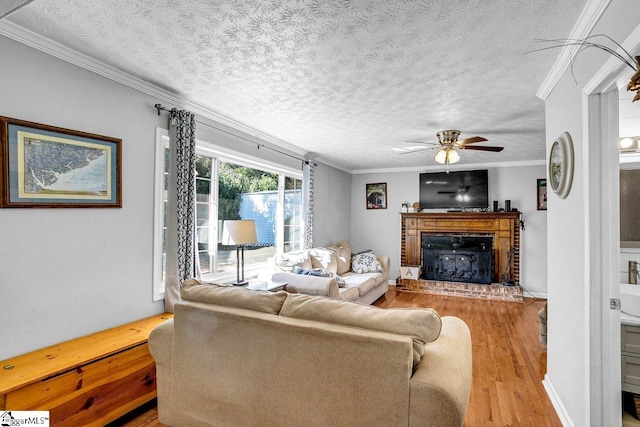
441,384
161,343
385,261
161,349
310,285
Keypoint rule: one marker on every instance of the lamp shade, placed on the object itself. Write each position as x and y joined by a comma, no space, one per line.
447,155
441,157
239,232
454,157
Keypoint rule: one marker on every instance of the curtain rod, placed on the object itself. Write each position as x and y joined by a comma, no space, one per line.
160,107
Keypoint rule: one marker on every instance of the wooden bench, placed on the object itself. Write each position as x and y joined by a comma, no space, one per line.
90,380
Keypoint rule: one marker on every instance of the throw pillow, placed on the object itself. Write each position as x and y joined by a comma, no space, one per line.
366,262
320,272
342,251
324,258
289,260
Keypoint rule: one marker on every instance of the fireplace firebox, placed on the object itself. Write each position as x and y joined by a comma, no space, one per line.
456,258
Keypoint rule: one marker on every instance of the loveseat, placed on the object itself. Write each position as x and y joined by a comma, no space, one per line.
236,357
361,277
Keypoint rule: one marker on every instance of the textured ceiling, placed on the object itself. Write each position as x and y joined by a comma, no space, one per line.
348,80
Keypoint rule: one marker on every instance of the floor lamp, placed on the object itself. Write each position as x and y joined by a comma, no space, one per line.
239,233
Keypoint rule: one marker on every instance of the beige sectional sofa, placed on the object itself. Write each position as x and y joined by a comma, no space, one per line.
236,357
364,283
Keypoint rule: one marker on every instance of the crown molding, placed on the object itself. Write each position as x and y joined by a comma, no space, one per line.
613,72
11,6
453,168
50,47
583,27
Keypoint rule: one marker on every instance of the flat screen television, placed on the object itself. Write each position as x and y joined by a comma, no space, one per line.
454,190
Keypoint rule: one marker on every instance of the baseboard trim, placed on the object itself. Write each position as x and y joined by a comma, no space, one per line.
565,419
538,295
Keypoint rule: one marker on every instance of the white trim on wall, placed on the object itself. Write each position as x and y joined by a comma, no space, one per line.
601,252
162,142
11,6
453,168
585,24
50,47
614,66
562,412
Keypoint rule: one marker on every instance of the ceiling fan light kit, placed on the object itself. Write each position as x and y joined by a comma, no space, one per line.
447,156
448,143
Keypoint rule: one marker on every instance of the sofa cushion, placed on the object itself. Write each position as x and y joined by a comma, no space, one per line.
350,293
342,251
232,296
378,278
323,258
363,282
288,261
421,324
366,262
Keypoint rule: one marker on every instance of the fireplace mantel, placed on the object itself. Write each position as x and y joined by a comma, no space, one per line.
504,227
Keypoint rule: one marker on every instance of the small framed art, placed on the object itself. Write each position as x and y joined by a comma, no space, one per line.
376,196
542,194
45,166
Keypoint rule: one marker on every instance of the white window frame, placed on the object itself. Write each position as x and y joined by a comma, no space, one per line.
205,148
162,143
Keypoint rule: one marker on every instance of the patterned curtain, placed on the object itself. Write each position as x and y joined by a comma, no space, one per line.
182,261
308,170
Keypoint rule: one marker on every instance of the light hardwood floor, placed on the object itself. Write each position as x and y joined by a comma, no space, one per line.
509,363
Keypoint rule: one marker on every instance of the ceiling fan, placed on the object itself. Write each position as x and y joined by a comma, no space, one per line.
448,143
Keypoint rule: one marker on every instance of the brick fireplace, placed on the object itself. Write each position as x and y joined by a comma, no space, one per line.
466,252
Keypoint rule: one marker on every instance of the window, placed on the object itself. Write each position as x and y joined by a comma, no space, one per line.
231,187
292,227
160,213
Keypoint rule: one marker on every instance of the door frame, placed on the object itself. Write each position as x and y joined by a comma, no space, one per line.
602,203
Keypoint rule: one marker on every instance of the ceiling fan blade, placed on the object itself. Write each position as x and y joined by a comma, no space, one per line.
483,148
471,140
416,150
415,141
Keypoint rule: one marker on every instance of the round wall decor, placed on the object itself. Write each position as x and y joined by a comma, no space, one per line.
561,165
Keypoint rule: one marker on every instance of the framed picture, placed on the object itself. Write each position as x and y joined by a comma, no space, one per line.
376,196
542,194
43,166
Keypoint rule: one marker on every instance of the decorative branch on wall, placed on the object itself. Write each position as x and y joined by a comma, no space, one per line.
625,57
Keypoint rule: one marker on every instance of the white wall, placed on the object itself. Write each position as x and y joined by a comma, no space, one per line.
69,272
380,229
568,360
520,185
567,339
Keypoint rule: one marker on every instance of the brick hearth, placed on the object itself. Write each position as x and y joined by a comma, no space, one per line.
469,290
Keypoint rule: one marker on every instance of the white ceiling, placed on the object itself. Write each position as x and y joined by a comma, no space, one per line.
346,80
